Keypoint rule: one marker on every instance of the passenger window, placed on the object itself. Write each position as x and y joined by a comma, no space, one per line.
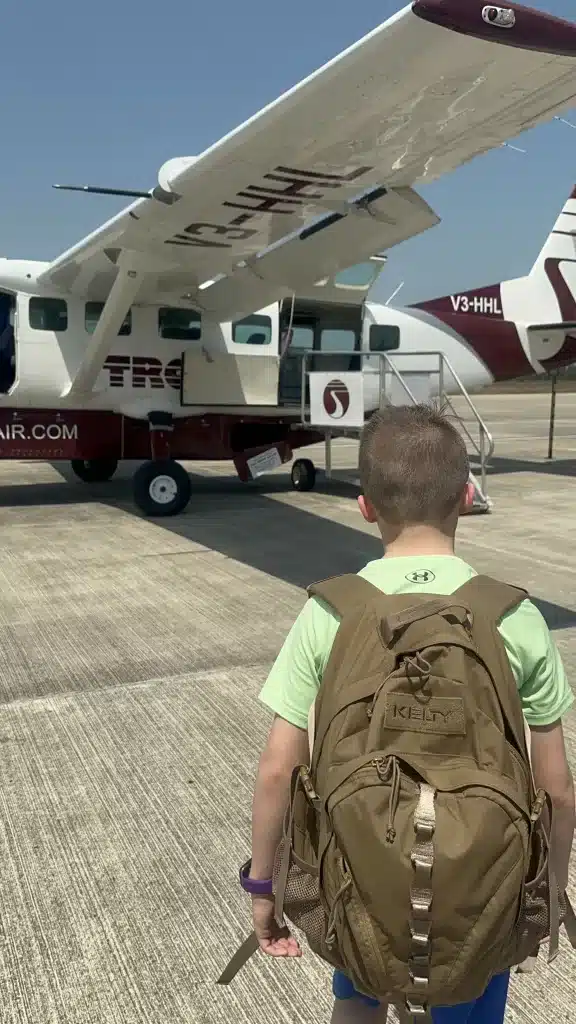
179,324
253,330
384,337
338,340
302,337
47,314
93,312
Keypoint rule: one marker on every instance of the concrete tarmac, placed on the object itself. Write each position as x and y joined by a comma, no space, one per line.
132,655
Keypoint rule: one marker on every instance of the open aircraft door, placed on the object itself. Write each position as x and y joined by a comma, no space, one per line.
236,367
327,324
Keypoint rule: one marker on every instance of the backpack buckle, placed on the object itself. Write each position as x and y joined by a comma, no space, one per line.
417,1009
425,829
422,864
420,935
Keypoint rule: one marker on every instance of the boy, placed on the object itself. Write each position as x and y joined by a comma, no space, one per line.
414,478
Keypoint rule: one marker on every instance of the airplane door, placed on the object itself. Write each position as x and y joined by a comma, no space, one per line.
7,342
331,328
290,378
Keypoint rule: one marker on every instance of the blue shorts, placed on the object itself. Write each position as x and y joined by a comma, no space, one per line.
488,1009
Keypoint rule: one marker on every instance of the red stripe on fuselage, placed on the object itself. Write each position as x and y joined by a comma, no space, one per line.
496,342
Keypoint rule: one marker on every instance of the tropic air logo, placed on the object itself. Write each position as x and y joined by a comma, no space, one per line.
336,399
143,372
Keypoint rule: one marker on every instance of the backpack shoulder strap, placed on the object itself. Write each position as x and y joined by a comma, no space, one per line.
343,593
497,598
491,599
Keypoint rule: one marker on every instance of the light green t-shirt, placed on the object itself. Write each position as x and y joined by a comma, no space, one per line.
296,675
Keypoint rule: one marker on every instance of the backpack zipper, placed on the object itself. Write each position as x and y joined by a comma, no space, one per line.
388,769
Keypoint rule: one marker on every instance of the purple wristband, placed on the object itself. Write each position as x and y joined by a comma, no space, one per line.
255,886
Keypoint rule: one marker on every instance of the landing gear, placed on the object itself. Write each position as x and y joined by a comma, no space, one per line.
161,488
303,475
93,471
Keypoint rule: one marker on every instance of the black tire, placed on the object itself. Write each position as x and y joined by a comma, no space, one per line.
94,471
303,475
161,488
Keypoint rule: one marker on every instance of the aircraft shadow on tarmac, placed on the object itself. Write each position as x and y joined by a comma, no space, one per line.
243,522
553,467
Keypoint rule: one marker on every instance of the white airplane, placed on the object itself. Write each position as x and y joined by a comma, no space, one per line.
141,342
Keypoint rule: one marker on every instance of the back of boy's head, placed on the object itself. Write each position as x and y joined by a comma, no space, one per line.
413,466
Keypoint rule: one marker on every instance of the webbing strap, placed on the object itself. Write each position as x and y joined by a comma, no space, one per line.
570,923
554,913
422,858
425,609
241,957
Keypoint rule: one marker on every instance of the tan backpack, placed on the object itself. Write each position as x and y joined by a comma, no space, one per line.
415,855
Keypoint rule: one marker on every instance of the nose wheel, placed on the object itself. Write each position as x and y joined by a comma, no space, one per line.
161,488
303,475
94,470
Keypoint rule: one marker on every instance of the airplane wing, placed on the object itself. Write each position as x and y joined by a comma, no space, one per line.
437,84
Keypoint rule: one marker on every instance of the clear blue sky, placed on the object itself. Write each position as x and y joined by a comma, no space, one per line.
105,93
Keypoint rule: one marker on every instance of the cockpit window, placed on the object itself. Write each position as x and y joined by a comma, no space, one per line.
47,314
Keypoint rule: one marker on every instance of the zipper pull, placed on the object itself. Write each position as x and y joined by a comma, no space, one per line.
307,785
538,806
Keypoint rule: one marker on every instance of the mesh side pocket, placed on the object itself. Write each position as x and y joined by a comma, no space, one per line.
302,903
534,922
534,919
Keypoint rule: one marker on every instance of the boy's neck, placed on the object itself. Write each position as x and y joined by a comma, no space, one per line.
418,540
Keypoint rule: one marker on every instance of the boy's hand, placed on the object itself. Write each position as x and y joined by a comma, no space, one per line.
273,940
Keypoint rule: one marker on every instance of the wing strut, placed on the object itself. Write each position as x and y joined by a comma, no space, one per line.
120,298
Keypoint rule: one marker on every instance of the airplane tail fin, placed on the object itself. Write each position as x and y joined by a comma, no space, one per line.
561,242
552,282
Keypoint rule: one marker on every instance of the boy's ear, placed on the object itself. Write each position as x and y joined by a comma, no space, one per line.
367,509
467,499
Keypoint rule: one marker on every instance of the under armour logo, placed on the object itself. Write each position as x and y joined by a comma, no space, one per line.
422,576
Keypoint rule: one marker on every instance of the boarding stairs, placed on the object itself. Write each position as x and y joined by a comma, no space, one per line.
403,379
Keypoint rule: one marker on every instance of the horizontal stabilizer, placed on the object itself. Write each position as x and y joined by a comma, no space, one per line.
561,327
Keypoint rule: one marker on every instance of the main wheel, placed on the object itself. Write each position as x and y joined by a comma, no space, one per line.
161,488
94,470
303,475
